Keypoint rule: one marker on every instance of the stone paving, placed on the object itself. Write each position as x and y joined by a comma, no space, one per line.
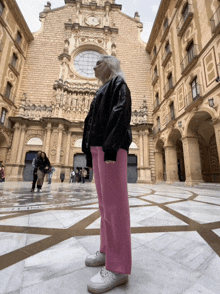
45,237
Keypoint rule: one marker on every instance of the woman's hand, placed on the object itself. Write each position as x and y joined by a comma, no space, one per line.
109,161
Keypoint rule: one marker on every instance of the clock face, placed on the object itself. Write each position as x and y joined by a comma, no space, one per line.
92,21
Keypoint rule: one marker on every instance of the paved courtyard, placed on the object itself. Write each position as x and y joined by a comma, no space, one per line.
45,237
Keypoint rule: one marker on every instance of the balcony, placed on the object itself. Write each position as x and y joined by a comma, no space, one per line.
15,68
166,57
190,60
178,2
170,117
193,98
156,129
165,32
9,97
154,58
156,105
155,78
185,21
168,89
215,22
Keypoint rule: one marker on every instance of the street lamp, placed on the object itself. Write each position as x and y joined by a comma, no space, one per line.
211,102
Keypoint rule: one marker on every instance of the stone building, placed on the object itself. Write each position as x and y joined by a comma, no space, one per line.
57,84
185,54
14,39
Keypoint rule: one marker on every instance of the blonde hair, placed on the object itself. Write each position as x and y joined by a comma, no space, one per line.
114,65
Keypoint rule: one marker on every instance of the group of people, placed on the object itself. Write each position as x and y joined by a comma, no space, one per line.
41,165
78,176
2,174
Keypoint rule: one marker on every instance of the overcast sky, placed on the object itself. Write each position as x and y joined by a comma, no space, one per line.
147,10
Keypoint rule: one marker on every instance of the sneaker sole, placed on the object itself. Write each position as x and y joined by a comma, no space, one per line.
103,290
92,263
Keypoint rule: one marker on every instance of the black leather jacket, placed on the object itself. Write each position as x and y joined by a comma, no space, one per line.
108,121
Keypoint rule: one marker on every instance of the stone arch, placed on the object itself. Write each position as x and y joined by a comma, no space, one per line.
133,146
35,141
78,143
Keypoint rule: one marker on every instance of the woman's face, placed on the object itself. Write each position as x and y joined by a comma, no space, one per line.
101,70
43,155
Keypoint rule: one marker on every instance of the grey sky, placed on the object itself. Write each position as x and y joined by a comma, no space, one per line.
147,10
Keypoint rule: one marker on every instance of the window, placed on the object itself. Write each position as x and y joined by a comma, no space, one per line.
85,62
157,99
166,23
18,38
172,114
167,47
155,50
190,51
155,71
8,90
185,11
1,7
14,60
3,115
170,81
195,88
158,123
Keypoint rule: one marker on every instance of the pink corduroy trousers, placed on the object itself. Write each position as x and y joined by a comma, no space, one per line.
115,232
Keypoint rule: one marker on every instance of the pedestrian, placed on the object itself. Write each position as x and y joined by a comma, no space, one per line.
72,175
50,174
62,177
2,174
84,175
106,140
42,169
77,175
35,163
80,175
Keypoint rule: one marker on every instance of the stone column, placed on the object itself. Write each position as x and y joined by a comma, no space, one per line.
159,166
146,148
141,151
192,160
216,124
15,142
60,135
47,141
68,148
171,164
21,144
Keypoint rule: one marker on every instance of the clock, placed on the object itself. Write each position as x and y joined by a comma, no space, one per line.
92,21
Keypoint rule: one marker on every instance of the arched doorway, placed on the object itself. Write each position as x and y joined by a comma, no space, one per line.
132,168
201,128
28,169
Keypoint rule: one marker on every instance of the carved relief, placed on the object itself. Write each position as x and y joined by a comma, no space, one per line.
180,95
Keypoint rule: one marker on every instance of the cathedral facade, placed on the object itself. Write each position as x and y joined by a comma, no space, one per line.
47,84
56,85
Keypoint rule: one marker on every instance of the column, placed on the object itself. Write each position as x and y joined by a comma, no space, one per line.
159,166
146,148
47,141
192,160
171,164
60,128
68,148
21,144
216,125
141,153
15,142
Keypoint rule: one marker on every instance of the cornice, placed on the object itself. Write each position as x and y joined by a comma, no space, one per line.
18,16
164,5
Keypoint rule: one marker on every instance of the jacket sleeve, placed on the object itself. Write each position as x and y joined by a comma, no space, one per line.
118,123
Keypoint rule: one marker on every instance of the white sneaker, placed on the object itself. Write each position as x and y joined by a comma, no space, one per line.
105,281
95,259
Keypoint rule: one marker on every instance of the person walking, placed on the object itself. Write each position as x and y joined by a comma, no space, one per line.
106,140
42,169
77,175
80,175
50,175
62,177
35,163
2,174
84,175
72,175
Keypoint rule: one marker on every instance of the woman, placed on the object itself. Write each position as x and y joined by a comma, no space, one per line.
106,140
2,174
77,175
42,169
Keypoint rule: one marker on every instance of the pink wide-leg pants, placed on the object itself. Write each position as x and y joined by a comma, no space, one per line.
115,233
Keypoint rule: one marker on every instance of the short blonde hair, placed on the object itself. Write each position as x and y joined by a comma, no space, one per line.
114,65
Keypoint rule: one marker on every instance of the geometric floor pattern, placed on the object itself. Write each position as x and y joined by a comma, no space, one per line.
45,237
